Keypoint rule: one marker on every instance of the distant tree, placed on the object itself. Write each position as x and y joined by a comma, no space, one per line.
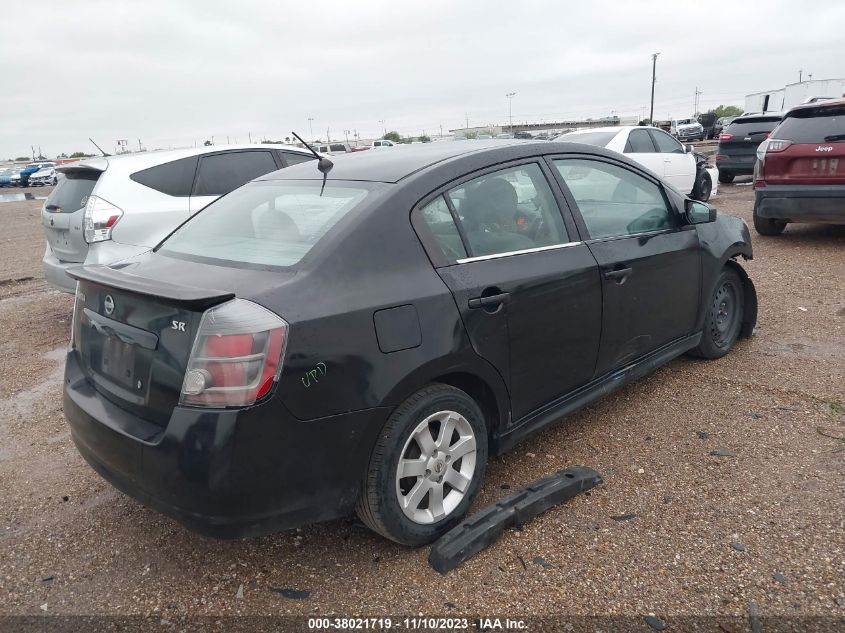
425,138
726,110
392,136
62,155
287,139
207,143
471,135
20,158
79,155
645,122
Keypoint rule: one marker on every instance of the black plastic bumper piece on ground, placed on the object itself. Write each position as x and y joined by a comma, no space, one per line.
486,526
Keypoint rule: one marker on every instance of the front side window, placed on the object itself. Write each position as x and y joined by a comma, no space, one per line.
614,201
293,158
267,223
665,144
221,173
508,210
639,142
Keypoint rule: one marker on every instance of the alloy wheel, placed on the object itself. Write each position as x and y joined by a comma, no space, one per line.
436,467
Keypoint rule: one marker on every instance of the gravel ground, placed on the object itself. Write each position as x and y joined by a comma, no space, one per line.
706,535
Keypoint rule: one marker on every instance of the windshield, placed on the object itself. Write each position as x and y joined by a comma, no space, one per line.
686,122
266,223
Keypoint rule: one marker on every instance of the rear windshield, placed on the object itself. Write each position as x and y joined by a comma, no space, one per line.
813,125
590,138
267,223
71,194
757,125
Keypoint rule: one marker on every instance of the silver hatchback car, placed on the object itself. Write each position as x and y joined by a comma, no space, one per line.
108,209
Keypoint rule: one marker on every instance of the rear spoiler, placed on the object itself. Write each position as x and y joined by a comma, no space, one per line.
89,164
190,295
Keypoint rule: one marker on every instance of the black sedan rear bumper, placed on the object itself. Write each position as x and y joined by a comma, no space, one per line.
225,473
801,203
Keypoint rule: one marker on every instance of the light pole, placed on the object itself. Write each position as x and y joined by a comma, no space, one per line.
311,128
653,79
383,129
510,97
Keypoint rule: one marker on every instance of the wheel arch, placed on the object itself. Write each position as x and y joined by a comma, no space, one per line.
749,312
480,381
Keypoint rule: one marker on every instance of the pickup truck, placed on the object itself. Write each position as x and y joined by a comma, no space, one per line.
687,130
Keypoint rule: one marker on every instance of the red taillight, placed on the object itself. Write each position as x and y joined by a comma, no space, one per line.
776,145
719,157
724,136
237,356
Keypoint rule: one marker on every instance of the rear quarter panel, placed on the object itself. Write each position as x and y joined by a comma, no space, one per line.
148,215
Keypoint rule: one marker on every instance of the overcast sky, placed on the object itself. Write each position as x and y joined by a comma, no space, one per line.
177,73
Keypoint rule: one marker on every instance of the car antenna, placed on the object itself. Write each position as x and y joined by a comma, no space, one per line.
98,147
323,163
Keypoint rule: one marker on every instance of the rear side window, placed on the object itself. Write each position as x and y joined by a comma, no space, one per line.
174,178
614,201
338,148
71,194
639,142
508,210
813,125
221,173
265,224
442,226
749,127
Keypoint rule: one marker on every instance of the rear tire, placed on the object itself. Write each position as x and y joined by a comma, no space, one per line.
726,178
703,187
723,319
442,470
768,226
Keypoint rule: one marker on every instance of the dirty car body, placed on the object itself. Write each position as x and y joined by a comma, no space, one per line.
405,280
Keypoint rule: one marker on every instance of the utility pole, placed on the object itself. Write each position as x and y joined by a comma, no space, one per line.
467,118
441,130
653,79
383,129
139,146
800,74
697,95
32,147
311,128
510,97
328,135
249,136
346,134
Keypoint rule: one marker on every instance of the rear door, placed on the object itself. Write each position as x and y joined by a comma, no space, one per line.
649,263
218,174
808,148
528,290
62,214
678,164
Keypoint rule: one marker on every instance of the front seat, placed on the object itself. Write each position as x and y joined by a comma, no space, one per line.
491,209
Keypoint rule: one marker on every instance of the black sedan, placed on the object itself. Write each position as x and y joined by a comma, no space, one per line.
305,347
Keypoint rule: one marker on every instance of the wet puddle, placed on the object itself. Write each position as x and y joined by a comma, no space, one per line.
19,197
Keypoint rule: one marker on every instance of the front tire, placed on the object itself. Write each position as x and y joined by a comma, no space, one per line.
703,187
767,226
426,467
723,320
726,178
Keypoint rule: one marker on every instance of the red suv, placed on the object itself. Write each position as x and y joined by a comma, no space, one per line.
801,176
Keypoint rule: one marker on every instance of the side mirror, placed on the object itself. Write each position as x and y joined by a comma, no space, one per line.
698,213
689,149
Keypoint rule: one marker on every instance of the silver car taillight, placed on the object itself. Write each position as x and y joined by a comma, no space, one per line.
99,219
237,356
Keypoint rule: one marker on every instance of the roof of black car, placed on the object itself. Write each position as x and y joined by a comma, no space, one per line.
392,164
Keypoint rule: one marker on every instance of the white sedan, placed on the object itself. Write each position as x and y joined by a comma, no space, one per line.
655,149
